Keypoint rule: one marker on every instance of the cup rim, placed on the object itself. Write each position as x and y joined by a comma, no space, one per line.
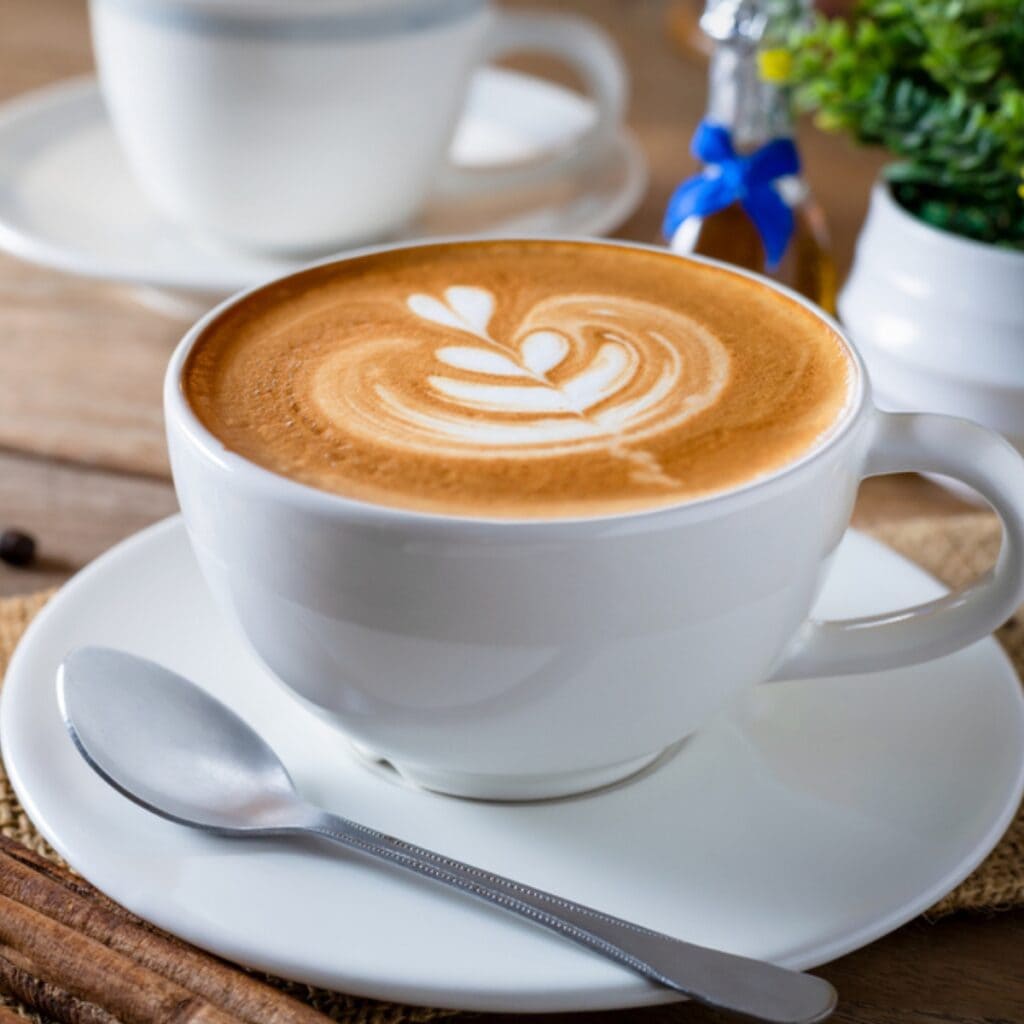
179,415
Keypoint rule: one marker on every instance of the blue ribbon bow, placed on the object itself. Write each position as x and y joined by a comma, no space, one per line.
728,177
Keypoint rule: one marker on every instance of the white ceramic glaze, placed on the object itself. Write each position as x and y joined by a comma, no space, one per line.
514,659
811,819
68,200
278,128
938,318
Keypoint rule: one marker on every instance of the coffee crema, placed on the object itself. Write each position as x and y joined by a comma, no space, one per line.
519,379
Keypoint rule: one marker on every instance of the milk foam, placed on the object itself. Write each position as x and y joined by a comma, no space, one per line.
579,371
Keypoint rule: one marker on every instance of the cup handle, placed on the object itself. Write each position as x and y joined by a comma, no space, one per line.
592,54
979,458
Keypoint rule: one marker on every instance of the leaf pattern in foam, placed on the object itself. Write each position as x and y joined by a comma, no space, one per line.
479,360
606,373
465,309
504,398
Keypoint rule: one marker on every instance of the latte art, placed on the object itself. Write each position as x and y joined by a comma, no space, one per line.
578,372
519,378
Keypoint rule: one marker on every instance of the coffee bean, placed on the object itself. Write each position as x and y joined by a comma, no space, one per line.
16,547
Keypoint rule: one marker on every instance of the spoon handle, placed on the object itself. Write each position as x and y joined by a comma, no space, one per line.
750,987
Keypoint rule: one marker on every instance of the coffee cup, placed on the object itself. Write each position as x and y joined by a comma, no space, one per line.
535,653
309,125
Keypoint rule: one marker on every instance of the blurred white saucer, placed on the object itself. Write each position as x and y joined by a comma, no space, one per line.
68,200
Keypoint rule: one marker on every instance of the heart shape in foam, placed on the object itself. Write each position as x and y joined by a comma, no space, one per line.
543,351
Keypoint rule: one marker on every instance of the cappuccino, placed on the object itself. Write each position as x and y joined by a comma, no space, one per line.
519,379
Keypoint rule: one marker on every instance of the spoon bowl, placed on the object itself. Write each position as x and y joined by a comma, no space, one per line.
169,746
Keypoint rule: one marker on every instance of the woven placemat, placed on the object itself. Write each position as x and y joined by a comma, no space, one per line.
953,549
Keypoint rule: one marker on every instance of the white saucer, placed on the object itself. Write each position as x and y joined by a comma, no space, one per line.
68,200
813,819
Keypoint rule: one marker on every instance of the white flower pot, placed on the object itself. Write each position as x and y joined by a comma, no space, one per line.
939,319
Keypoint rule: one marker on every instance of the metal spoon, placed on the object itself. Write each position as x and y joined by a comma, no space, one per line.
169,746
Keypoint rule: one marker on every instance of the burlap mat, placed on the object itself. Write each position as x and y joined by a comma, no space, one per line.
954,550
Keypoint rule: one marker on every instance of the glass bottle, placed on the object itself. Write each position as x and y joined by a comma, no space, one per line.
747,98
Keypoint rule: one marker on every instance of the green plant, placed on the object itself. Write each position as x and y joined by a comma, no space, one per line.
940,85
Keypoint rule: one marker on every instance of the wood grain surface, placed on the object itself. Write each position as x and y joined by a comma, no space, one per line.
83,464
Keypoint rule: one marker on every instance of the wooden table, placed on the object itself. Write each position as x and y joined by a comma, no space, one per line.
82,459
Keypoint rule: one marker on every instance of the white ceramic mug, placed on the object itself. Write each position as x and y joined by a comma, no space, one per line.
297,126
537,658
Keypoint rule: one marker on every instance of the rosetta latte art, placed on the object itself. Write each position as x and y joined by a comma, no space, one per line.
578,372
